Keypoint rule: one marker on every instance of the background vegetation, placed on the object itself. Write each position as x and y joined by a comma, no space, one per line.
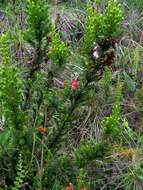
71,95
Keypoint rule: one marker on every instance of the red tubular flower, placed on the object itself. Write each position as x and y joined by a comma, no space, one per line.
41,129
74,84
70,187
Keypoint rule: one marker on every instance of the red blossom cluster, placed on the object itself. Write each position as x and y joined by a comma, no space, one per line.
70,187
74,84
41,129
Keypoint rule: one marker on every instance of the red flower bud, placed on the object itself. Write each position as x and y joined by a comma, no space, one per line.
70,187
74,84
41,129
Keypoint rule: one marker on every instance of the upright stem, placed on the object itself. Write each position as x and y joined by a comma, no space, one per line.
42,166
58,135
31,75
77,97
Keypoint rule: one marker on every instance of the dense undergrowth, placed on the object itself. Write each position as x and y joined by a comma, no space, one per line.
71,90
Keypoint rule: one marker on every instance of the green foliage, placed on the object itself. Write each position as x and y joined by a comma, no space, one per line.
102,26
112,20
37,31
58,51
38,24
131,85
129,133
36,181
59,171
105,83
136,56
10,90
81,179
20,174
110,125
93,29
91,151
